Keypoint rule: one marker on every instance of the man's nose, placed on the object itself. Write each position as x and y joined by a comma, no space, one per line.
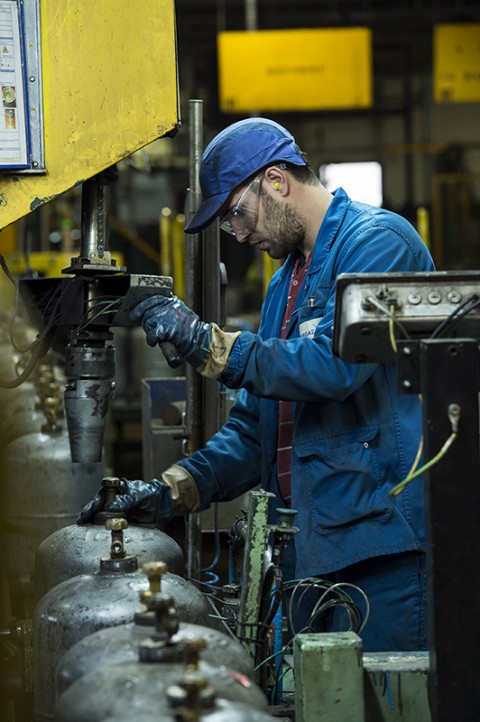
242,236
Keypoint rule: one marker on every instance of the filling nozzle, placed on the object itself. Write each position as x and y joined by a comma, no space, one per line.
90,370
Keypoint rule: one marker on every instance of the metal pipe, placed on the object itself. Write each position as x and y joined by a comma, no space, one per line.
194,299
251,15
95,210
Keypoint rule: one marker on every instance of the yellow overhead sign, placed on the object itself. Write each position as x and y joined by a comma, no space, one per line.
456,56
308,69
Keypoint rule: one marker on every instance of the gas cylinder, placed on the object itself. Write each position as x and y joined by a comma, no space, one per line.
76,549
42,491
188,697
120,644
109,597
32,403
222,711
143,685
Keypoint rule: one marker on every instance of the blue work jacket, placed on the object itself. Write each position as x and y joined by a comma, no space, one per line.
354,436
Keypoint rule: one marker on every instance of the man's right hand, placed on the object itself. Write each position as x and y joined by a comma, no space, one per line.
142,502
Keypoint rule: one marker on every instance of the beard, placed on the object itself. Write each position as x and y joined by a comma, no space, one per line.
286,227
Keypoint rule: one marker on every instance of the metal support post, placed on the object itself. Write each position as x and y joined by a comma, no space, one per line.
193,297
253,563
328,678
449,372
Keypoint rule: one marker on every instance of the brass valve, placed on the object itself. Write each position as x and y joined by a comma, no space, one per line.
191,696
110,491
111,488
166,619
116,527
118,560
191,648
154,571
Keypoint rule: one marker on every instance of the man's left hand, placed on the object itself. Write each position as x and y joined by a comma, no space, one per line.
204,345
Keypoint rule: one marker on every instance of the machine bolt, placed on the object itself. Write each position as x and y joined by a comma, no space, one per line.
414,298
434,297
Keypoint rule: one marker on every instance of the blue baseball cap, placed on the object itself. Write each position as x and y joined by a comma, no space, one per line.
236,153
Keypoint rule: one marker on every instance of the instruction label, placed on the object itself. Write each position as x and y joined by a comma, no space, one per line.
13,128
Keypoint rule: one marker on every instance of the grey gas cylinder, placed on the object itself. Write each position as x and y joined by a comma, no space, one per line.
146,684
42,491
76,549
89,602
114,645
223,711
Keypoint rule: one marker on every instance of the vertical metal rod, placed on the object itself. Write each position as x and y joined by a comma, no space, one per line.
193,297
251,15
95,209
213,302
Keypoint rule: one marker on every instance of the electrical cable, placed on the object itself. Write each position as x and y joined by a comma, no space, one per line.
391,328
362,619
208,571
274,580
454,412
460,312
341,598
418,456
37,353
386,310
39,346
401,486
105,308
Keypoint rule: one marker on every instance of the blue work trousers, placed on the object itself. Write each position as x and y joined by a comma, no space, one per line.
395,586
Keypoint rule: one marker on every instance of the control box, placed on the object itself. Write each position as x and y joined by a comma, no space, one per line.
370,308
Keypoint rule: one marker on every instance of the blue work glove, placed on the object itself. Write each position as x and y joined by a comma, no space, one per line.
142,502
204,345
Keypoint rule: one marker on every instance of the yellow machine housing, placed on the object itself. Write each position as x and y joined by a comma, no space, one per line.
110,87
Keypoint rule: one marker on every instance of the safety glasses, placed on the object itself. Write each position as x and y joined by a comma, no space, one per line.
241,219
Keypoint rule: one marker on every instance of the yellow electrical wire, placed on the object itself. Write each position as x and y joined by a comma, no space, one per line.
400,487
391,328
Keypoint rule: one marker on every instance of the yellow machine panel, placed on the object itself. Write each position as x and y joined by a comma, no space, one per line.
110,87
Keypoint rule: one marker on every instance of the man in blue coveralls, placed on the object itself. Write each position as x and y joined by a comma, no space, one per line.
329,438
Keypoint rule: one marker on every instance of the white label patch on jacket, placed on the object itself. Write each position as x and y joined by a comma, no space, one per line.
307,328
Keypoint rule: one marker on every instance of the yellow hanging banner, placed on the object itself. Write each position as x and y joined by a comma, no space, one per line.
306,69
456,63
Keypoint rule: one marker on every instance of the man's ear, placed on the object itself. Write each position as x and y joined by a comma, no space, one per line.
277,178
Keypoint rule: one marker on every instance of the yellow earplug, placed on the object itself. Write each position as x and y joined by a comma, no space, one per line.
276,186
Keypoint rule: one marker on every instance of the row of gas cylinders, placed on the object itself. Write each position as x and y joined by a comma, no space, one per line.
41,489
117,636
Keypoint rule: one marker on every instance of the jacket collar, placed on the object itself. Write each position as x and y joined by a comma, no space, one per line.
329,228
325,237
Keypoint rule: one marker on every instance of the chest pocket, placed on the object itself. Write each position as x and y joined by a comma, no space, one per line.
307,317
